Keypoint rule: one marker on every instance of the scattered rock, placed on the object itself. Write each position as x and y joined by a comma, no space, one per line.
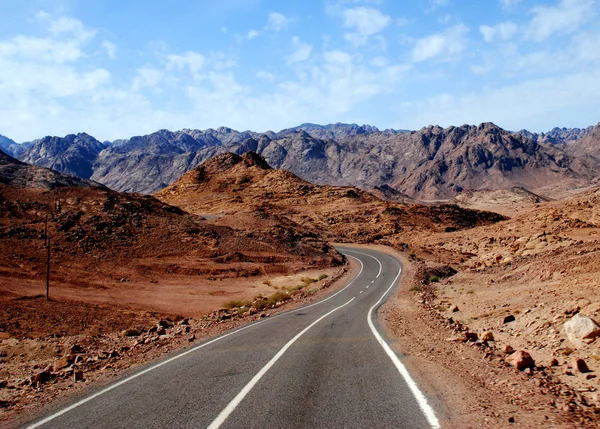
470,336
511,419
554,362
3,384
508,349
581,365
454,309
64,362
192,338
184,322
41,377
521,360
508,319
131,332
487,336
161,331
78,375
76,348
581,327
164,324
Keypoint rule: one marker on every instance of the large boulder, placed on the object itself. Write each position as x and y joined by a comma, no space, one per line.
581,328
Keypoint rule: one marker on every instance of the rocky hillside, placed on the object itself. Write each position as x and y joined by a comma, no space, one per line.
245,192
431,163
20,175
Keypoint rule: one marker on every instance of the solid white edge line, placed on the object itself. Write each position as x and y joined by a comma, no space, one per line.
134,376
421,399
153,367
370,256
223,415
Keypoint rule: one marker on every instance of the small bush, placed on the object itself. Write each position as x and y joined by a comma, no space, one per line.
307,280
470,291
267,282
413,255
313,290
236,303
323,276
415,288
261,304
434,279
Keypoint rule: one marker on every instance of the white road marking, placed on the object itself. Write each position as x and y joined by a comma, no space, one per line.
128,379
240,396
368,286
339,291
421,399
361,291
370,256
153,367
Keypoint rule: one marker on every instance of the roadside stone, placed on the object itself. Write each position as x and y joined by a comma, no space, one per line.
3,384
78,376
164,324
581,327
470,336
508,319
161,331
41,378
454,309
76,348
521,360
590,376
192,338
130,332
487,336
581,365
64,362
184,322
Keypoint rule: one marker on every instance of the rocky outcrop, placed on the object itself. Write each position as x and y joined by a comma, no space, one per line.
18,174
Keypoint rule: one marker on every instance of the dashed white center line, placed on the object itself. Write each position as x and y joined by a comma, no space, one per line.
361,291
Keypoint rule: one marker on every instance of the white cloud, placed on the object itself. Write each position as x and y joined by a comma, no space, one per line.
436,4
503,31
532,104
252,34
509,4
302,52
147,77
70,26
446,44
110,48
365,22
277,21
193,61
566,17
265,75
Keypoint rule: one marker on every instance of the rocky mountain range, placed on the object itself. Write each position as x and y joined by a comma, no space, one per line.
431,163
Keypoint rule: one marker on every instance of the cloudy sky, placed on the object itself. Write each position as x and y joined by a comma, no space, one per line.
118,68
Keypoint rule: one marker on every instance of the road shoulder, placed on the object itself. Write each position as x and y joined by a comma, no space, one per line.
466,385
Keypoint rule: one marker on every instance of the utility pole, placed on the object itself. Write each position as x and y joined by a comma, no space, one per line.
47,244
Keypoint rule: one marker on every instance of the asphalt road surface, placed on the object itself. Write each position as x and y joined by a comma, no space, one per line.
326,365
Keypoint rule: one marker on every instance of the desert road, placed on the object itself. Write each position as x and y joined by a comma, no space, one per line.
325,365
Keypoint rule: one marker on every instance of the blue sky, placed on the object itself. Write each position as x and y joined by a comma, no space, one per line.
121,68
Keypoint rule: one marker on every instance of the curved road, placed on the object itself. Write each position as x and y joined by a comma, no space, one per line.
325,365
